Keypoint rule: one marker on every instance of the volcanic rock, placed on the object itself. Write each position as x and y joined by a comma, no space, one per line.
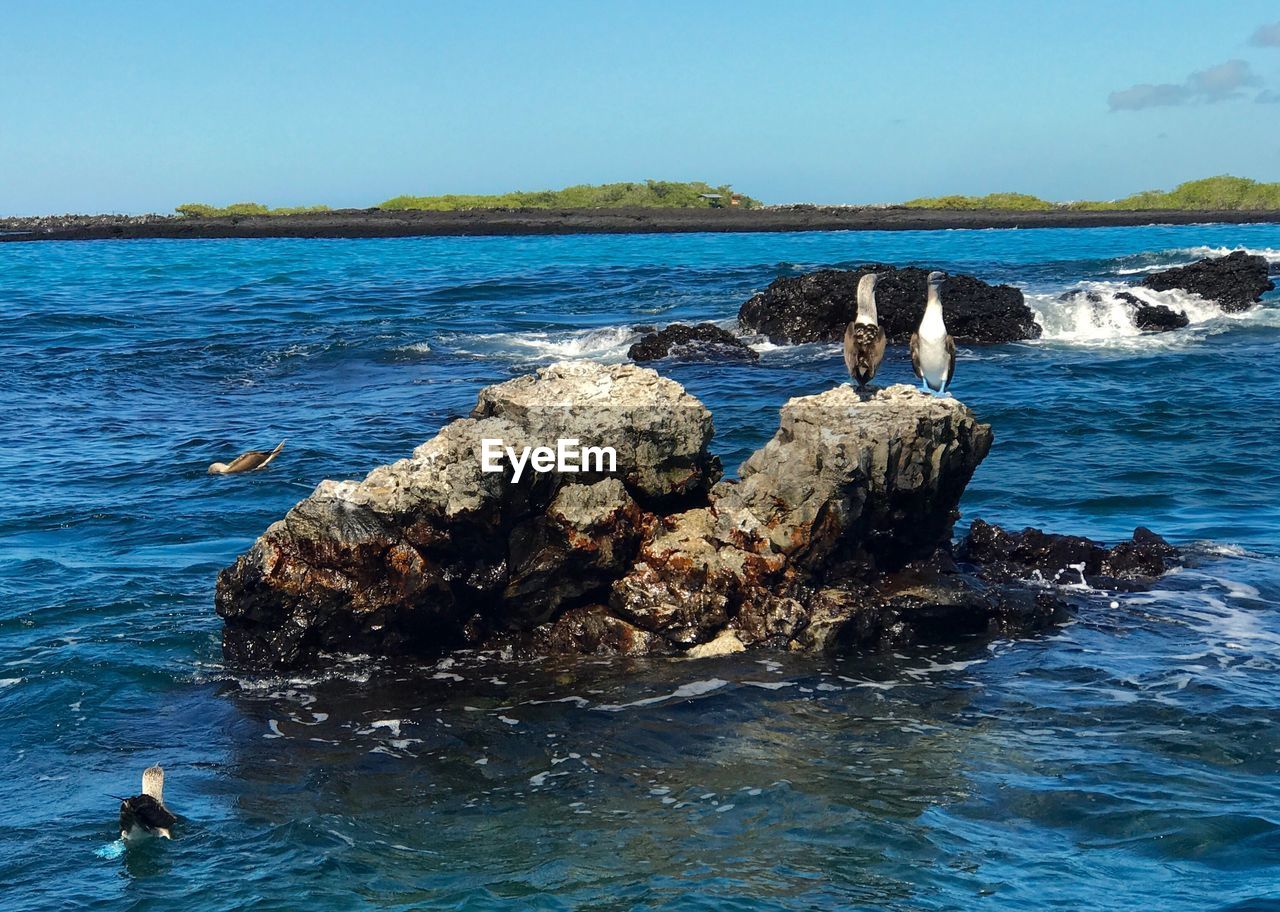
432,552
1065,559
702,342
1152,317
817,306
1236,281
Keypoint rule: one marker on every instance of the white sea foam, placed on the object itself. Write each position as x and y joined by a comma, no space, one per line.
391,725
683,692
1237,589
1270,254
762,345
1152,261
1219,549
1185,256
1093,313
607,345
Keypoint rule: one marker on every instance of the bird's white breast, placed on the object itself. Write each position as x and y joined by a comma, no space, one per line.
932,326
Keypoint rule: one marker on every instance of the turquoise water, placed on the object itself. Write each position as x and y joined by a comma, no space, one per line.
1129,760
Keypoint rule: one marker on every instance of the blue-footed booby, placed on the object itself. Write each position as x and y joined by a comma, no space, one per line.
933,351
145,815
863,338
251,461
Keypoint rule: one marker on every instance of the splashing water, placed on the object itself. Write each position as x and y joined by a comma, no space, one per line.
1094,313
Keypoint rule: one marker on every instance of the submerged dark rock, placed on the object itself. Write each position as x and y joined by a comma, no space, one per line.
1003,555
1236,281
837,533
817,306
925,604
1152,317
703,341
1158,318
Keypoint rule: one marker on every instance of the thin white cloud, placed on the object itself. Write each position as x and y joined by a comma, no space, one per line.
1217,83
1267,96
1146,95
1266,36
1224,81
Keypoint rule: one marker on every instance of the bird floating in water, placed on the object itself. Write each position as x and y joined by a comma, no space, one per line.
933,351
145,815
252,461
864,337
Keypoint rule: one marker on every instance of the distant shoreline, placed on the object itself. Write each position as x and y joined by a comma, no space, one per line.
373,223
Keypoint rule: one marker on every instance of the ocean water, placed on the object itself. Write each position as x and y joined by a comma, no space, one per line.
1128,760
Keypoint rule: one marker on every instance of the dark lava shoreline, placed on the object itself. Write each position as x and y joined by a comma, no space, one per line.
359,223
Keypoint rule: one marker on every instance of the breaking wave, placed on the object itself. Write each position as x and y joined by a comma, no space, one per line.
1098,313
1144,263
606,344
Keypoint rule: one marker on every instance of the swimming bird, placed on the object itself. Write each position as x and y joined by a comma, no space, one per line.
864,338
145,815
251,461
933,351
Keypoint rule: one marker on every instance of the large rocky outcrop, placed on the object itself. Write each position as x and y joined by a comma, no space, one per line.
432,551
849,489
837,532
1236,281
817,306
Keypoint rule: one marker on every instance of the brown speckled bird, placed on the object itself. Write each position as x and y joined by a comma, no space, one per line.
864,338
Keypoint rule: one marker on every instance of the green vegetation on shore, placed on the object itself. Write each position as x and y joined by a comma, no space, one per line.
200,210
990,201
650,194
1223,192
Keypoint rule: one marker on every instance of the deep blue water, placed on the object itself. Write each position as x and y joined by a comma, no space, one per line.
1129,760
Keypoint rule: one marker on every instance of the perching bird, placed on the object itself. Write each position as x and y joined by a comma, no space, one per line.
251,461
933,351
145,815
863,338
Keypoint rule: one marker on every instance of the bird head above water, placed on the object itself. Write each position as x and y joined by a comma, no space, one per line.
936,278
153,782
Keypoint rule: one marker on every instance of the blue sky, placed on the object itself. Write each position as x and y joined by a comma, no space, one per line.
139,106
